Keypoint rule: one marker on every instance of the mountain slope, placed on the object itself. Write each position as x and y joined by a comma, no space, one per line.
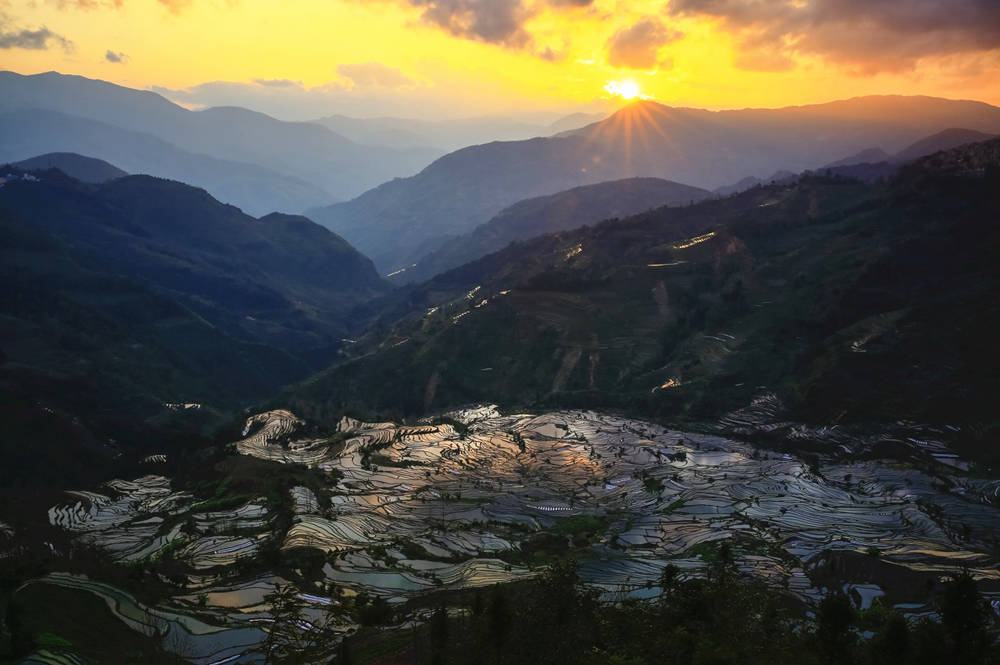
84,169
402,220
558,212
852,302
300,150
88,357
255,189
280,279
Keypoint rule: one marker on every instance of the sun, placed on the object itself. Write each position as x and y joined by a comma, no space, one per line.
627,89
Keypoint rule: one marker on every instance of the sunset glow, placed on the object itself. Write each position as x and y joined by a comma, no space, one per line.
404,57
627,90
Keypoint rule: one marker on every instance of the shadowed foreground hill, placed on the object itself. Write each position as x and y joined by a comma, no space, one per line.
558,212
125,297
280,279
853,302
88,356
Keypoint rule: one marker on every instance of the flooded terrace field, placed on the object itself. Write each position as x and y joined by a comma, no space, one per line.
479,498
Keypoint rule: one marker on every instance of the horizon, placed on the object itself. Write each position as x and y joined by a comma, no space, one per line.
541,117
427,59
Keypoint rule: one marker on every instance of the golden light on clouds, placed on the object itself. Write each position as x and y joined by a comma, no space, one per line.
463,57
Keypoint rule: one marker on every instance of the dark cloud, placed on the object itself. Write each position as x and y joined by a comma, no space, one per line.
867,35
35,40
374,74
278,83
637,46
493,21
115,56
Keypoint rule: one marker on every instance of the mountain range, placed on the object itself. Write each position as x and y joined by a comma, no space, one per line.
852,302
448,135
400,221
872,163
201,147
557,212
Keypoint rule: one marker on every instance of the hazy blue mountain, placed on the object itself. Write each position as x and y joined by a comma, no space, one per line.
777,177
85,169
574,121
312,153
558,212
943,140
447,135
867,156
256,189
873,163
402,220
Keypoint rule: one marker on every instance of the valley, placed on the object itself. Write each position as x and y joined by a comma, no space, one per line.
417,372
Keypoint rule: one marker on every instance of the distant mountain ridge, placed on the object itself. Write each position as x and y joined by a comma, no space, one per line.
557,212
447,135
873,163
330,163
402,220
27,133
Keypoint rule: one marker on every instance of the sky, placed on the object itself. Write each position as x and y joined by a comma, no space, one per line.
301,59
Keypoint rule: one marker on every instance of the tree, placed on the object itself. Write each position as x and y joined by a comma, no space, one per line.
834,632
965,618
290,638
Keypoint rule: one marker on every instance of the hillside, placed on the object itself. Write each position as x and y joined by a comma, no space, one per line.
851,302
304,151
84,169
402,220
281,279
558,212
89,358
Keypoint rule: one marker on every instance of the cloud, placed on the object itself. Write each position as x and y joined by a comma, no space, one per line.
867,36
116,57
493,21
278,83
637,46
36,40
499,22
366,74
89,4
176,6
